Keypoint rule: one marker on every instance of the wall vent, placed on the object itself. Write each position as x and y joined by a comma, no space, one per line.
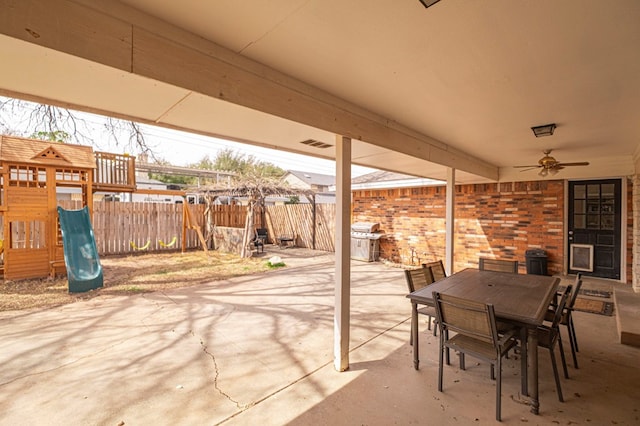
316,144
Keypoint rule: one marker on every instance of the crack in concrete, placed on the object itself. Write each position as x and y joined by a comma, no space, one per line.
217,375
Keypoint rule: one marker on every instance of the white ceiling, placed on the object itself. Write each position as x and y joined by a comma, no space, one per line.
473,75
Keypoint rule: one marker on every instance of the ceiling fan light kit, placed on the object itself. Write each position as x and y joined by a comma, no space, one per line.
549,165
544,172
544,130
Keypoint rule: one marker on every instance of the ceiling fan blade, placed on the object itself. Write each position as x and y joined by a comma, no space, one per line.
580,163
531,166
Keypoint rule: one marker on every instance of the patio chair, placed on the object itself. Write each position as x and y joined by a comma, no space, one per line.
437,269
567,318
475,333
416,279
549,335
498,265
262,235
258,240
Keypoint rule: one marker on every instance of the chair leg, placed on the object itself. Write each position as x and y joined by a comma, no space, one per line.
564,361
446,337
498,389
462,364
573,333
429,323
555,373
572,343
440,359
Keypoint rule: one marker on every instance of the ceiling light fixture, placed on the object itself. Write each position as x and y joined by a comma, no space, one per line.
427,3
544,130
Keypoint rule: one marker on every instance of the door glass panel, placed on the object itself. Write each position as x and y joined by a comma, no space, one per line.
579,191
579,221
608,190
593,221
607,222
579,206
593,191
608,205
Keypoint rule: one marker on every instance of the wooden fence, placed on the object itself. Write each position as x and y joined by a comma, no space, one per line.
311,228
231,216
124,228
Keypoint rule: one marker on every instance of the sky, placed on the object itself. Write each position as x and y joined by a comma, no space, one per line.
180,148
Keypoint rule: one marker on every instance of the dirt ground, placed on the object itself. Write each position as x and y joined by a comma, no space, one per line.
130,275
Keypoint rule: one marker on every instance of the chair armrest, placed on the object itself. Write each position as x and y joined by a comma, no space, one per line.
509,335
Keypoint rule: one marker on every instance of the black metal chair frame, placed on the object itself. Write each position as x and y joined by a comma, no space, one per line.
476,334
416,279
549,336
567,318
260,239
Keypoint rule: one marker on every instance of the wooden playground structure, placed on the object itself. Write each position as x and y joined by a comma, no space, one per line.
35,176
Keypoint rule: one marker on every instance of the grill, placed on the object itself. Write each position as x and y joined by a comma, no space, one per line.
364,241
365,227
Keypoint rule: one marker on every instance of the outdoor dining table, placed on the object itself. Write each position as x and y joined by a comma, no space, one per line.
517,299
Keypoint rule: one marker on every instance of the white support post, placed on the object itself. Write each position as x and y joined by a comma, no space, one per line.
450,220
343,255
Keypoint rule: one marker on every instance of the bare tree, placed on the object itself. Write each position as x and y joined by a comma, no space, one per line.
42,121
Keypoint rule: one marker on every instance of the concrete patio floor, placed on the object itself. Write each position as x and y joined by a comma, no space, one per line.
259,350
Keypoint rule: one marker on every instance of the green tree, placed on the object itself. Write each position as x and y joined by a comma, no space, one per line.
205,163
244,165
171,178
53,136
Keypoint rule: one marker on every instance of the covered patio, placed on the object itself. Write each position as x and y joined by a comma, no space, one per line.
447,92
253,350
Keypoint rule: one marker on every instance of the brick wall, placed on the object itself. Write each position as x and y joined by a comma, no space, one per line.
493,220
500,220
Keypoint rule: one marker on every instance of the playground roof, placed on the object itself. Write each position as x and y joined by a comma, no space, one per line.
20,150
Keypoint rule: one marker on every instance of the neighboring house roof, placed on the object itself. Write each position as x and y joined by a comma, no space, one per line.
307,180
384,179
145,182
46,153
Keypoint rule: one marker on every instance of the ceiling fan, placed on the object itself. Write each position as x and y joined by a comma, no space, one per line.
549,165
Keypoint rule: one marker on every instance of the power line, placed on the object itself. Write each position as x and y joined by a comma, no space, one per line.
170,145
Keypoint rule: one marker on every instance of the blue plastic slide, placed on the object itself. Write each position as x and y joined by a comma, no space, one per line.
84,271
